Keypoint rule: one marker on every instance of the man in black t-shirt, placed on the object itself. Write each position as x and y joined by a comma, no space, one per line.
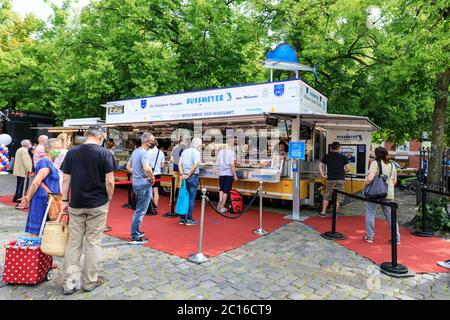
337,166
89,176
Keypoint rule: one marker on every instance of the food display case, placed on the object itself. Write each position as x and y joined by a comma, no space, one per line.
244,173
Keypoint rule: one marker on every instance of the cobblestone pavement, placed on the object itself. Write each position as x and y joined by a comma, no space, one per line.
293,262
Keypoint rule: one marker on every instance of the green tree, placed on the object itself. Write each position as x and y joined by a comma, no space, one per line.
388,60
117,50
20,66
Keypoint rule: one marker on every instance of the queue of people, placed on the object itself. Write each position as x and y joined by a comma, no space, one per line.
86,198
338,165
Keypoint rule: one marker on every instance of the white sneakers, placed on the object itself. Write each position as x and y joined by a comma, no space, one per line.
223,210
444,264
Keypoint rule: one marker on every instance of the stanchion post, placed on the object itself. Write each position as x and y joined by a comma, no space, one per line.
393,268
200,257
333,235
424,232
172,213
394,236
260,231
25,182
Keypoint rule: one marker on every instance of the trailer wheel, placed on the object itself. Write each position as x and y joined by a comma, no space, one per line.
49,275
285,203
164,191
412,188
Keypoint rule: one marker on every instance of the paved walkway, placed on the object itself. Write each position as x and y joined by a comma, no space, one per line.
293,262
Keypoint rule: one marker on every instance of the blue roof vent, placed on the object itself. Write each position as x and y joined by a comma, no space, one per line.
284,53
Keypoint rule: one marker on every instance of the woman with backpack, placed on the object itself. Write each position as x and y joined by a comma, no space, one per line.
388,170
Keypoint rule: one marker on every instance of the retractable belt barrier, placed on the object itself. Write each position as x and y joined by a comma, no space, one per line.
260,231
437,192
164,179
199,257
424,232
390,268
235,215
171,213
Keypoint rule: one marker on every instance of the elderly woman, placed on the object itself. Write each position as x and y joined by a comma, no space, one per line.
47,174
66,141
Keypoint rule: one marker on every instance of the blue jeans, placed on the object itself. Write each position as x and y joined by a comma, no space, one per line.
371,211
192,186
143,198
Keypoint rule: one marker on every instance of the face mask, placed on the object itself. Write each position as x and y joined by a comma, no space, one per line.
152,144
55,153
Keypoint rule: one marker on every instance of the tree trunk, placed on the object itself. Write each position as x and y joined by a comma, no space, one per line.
438,129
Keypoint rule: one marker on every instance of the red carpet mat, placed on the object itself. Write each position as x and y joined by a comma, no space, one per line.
418,254
7,200
220,234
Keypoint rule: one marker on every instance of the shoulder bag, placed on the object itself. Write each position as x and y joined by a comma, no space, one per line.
55,204
378,188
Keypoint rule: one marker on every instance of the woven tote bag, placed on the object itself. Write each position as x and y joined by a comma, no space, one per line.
55,237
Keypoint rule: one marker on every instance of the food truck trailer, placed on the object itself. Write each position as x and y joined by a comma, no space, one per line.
293,109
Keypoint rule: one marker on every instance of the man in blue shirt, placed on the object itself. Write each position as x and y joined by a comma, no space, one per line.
189,167
143,178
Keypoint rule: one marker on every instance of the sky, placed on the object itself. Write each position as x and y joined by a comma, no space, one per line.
39,7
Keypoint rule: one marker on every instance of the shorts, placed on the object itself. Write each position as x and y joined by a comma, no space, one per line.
225,183
329,186
157,183
177,176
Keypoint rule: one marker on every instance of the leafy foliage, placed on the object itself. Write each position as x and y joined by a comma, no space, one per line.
376,58
438,216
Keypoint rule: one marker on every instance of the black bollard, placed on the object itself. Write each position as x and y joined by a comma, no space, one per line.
333,235
172,213
393,268
424,232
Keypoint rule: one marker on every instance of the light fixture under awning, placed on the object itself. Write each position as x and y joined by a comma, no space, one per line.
339,121
62,129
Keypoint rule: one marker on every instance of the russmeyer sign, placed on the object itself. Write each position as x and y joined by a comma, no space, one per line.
276,97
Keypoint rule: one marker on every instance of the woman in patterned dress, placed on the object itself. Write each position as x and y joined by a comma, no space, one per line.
36,197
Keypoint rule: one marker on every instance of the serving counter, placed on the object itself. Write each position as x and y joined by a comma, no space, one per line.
267,175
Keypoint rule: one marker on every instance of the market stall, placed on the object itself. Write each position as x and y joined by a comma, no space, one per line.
257,116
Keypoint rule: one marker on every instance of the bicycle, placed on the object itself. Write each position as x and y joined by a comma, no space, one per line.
410,183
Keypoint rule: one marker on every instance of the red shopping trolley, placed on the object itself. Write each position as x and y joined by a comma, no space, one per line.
27,264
